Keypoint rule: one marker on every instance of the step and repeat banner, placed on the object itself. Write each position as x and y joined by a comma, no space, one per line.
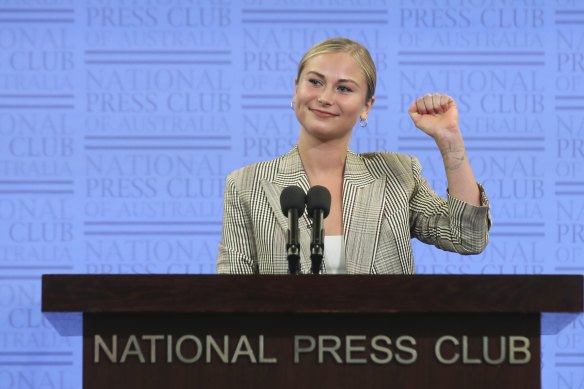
120,119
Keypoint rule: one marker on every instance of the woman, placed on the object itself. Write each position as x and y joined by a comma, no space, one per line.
379,200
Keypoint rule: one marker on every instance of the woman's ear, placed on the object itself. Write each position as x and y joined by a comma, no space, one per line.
367,107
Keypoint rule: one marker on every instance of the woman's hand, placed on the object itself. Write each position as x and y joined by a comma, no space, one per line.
437,115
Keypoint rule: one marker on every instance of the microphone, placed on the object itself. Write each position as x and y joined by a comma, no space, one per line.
292,200
318,206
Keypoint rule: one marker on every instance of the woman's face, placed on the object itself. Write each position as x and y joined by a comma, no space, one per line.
329,96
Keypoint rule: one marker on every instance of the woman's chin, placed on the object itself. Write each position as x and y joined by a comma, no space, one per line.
326,133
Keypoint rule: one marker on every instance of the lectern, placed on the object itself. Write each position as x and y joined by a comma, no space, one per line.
216,331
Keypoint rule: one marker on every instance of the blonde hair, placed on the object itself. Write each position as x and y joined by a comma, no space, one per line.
343,45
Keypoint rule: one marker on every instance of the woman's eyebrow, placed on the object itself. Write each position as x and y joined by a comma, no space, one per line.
322,76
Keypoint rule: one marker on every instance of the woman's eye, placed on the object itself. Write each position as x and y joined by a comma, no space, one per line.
345,89
314,82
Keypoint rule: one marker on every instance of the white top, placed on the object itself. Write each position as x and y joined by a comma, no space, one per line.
334,254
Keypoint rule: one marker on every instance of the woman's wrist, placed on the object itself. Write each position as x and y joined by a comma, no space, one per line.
452,149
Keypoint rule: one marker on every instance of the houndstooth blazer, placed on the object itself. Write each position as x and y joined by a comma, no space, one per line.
386,202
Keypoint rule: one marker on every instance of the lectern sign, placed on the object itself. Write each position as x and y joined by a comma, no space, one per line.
364,350
350,349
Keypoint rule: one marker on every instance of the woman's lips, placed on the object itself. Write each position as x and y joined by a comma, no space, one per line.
323,114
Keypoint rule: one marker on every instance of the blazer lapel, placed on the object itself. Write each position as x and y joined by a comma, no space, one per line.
289,173
363,197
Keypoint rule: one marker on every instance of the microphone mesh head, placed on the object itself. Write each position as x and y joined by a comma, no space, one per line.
318,197
292,197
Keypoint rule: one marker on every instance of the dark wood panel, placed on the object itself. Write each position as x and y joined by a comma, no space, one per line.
358,294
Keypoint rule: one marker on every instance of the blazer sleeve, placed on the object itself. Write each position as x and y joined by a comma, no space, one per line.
449,224
237,253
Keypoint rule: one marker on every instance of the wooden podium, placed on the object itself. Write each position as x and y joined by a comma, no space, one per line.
215,331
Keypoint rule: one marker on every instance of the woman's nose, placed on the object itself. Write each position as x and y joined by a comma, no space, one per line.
326,97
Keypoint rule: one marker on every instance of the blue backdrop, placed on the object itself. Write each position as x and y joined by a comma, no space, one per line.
119,120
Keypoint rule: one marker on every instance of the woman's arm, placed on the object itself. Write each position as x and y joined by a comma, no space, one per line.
236,249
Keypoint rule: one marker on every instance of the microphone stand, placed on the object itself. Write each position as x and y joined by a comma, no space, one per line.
317,243
293,247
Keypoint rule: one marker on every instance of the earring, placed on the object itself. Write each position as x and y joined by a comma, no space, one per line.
363,123
292,106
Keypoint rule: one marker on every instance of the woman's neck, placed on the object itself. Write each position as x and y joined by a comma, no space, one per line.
322,159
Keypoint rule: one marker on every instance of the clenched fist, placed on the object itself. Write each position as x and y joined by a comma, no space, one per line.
435,114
